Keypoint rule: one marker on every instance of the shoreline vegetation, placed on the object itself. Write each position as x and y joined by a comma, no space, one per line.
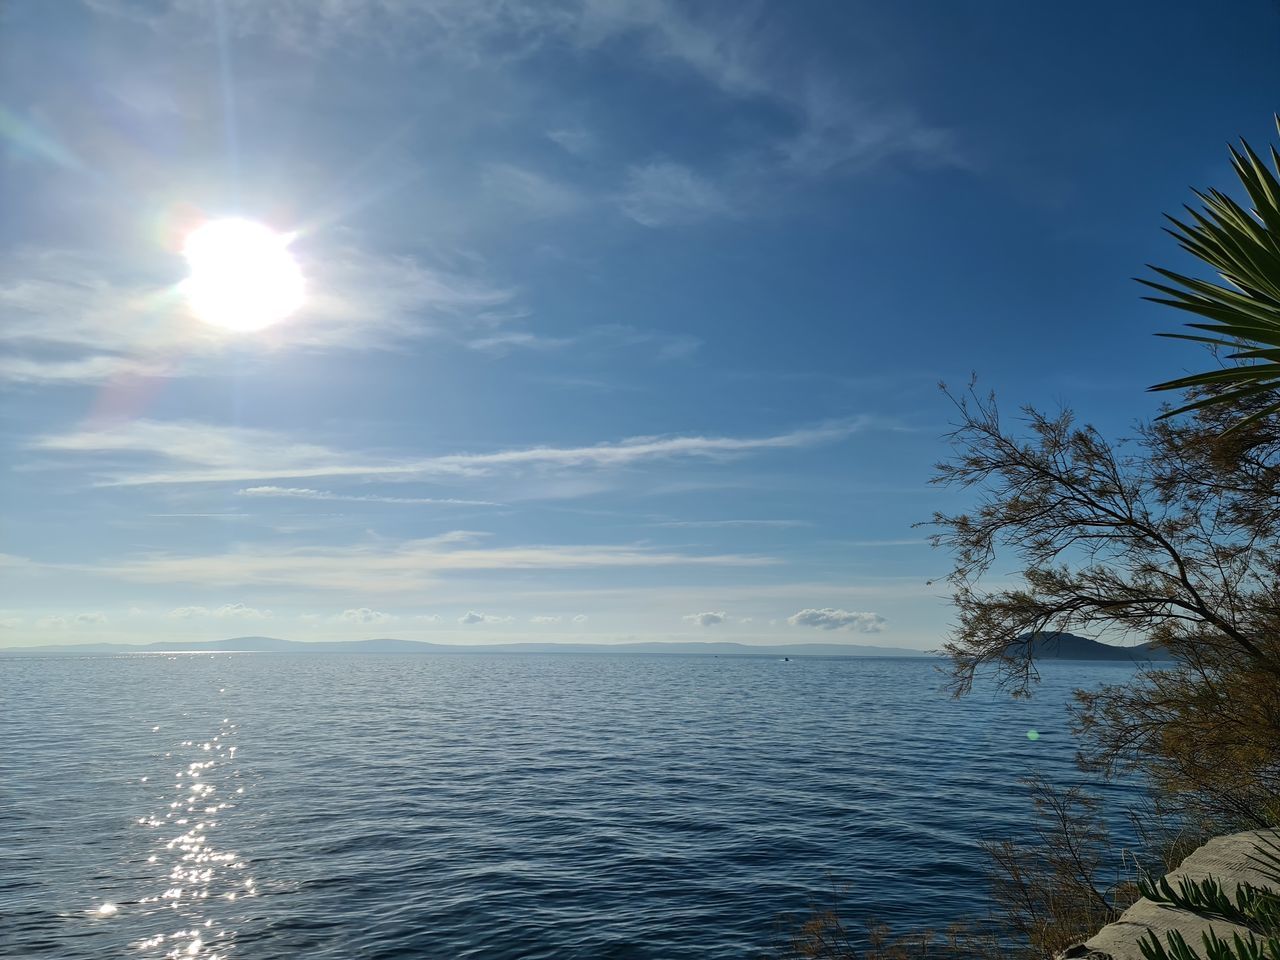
1171,535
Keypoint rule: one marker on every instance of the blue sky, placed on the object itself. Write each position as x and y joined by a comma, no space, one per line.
624,320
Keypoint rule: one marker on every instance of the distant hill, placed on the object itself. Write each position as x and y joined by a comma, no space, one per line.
1056,645
276,645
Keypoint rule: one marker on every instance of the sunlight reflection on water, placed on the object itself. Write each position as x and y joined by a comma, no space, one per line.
190,869
493,806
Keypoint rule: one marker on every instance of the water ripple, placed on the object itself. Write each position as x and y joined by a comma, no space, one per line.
327,806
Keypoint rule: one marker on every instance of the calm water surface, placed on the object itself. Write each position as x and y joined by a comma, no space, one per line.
498,806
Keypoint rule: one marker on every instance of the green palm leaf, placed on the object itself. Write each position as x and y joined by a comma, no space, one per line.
1243,248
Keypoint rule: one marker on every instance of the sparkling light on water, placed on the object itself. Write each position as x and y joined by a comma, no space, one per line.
189,868
563,805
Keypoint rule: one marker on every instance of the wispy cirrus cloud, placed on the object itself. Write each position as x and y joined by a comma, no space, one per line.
834,127
307,493
92,369
742,52
72,318
662,194
597,339
382,568
713,524
531,193
190,452
574,140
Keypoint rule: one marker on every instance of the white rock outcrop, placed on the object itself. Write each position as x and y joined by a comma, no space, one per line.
1228,859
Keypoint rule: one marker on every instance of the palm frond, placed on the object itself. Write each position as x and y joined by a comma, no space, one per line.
1243,247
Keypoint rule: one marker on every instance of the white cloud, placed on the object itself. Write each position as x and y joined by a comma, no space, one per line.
834,127
574,140
669,346
602,336
502,343
545,619
359,299
95,369
365,615
732,523
666,194
71,620
388,568
533,193
203,453
306,493
708,619
840,134
71,319
830,618
228,611
580,618
738,50
221,453
470,31
472,617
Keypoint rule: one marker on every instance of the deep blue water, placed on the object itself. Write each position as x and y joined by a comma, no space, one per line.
497,806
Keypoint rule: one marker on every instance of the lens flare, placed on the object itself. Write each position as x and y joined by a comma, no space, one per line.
243,277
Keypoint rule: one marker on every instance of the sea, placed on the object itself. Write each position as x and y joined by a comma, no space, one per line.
261,806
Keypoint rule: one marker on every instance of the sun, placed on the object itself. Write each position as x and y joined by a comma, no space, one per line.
243,277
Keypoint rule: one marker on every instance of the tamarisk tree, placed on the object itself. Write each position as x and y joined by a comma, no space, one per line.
1171,537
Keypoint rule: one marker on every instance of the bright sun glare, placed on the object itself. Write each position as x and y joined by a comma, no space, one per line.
243,277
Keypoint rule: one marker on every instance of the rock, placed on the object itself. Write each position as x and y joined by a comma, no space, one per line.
1081,952
1227,859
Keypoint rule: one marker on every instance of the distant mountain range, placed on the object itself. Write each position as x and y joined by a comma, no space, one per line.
1044,646
1055,645
275,645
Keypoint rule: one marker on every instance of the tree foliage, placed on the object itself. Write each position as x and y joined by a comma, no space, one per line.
1172,537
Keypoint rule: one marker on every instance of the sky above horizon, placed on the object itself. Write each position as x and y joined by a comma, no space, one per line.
624,319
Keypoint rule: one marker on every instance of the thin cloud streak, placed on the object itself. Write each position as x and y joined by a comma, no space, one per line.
235,454
712,524
412,565
306,493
